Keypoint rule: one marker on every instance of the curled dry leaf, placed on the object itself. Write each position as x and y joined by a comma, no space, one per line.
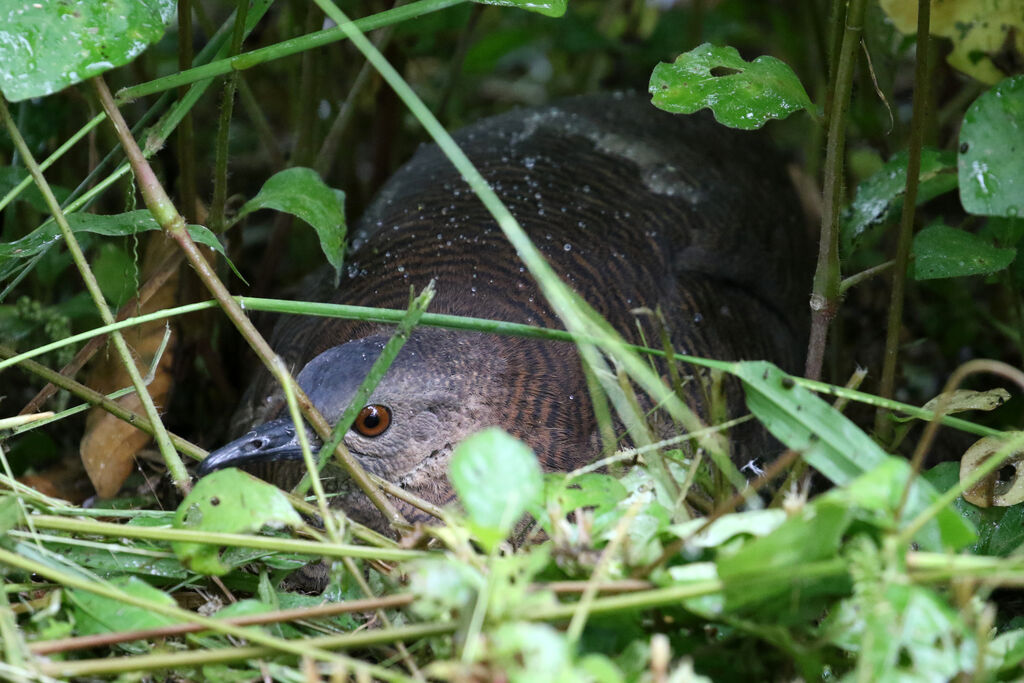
968,399
1002,488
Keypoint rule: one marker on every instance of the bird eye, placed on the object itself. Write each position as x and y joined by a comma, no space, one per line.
373,420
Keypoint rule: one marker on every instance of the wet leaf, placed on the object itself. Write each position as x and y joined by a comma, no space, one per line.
741,94
46,46
837,448
118,225
991,160
828,440
549,8
879,198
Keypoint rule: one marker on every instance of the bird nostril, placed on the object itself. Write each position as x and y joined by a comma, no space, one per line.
257,444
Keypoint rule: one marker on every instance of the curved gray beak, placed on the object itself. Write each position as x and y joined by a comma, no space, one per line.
270,442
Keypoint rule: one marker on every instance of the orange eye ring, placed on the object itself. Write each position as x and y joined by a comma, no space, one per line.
373,420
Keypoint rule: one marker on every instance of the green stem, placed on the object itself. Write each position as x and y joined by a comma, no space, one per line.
825,296
283,545
227,106
283,49
452,322
186,136
884,426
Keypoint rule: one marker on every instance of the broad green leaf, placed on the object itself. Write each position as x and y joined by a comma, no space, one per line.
828,440
1007,649
760,572
118,225
301,192
549,8
943,252
741,94
47,45
99,614
526,652
497,477
874,498
879,198
991,161
228,501
116,272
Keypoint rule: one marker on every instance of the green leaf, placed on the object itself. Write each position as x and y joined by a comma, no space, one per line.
902,631
759,573
1008,649
117,274
875,497
228,501
943,252
599,492
10,514
751,522
118,225
497,477
991,161
46,46
549,8
880,197
301,192
527,652
829,441
98,614
442,585
745,96
1000,530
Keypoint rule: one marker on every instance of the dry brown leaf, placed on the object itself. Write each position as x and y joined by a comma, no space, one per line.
109,446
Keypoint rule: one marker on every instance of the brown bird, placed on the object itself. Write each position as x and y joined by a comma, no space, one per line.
632,206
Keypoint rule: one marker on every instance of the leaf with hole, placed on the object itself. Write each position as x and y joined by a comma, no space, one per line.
741,94
228,501
549,8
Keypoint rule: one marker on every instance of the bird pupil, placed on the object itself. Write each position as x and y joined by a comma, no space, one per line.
372,420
